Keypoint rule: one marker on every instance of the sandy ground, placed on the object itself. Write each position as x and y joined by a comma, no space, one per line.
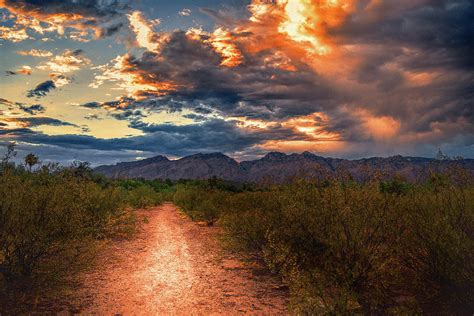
177,267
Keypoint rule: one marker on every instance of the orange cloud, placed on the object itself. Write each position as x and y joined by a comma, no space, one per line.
302,145
121,72
313,126
59,80
13,34
69,61
36,53
222,41
311,129
295,30
25,70
44,17
378,127
304,22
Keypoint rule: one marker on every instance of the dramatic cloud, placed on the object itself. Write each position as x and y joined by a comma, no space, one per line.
211,136
285,62
102,17
342,77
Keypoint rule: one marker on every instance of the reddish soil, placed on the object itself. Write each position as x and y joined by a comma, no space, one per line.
175,266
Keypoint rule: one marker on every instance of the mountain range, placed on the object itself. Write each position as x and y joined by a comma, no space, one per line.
274,166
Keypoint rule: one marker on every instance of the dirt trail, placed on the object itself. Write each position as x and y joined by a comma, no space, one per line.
175,266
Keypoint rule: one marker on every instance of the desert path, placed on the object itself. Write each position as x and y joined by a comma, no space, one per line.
177,267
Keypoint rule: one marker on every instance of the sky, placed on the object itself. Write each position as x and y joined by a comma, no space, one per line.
113,80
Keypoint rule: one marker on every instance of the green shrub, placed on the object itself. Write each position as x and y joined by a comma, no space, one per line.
42,214
50,215
438,249
52,219
377,247
199,203
143,196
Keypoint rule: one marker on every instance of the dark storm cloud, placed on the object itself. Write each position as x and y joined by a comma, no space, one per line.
93,117
210,136
416,67
92,105
130,115
254,88
111,30
42,89
30,109
93,8
202,110
429,25
22,132
38,121
77,52
196,117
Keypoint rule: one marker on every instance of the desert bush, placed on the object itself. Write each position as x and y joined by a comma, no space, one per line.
52,221
248,218
143,196
200,203
437,253
373,247
51,214
210,199
336,244
42,214
140,193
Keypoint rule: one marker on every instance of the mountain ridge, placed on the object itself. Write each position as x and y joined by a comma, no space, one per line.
274,165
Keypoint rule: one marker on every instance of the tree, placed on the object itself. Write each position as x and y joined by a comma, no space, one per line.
5,161
31,160
441,155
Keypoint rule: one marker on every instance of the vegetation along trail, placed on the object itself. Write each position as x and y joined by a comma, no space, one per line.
175,266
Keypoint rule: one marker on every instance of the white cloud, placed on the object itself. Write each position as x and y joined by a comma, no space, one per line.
185,12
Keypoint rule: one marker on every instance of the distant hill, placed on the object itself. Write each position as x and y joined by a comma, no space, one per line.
274,166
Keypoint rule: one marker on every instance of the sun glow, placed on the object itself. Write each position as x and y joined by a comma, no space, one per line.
306,21
298,25
312,129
